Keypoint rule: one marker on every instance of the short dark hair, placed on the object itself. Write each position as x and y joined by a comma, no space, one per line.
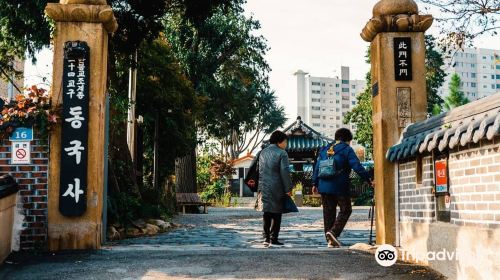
343,134
277,137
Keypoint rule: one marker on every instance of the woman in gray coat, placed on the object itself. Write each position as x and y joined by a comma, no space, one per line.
274,185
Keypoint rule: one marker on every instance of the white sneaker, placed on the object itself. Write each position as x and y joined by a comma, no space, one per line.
332,241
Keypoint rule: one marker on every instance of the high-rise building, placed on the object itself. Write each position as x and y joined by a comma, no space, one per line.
479,72
9,90
322,102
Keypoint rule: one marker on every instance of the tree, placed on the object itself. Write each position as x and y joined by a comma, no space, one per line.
224,60
250,135
463,20
455,96
361,115
434,75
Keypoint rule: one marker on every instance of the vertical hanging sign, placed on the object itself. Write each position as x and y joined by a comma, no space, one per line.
402,59
74,134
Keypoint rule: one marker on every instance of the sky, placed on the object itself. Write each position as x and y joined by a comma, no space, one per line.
317,36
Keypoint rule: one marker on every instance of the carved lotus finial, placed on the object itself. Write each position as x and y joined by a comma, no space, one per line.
395,16
395,7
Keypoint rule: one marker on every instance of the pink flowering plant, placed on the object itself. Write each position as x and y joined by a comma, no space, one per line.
29,109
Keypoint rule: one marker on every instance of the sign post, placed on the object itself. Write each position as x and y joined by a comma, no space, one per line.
77,147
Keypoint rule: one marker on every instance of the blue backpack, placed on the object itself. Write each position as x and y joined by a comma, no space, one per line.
327,167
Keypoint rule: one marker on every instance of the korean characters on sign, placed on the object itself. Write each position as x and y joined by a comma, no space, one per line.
402,59
441,175
74,134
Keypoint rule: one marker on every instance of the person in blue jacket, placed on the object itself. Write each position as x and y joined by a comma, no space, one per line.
336,190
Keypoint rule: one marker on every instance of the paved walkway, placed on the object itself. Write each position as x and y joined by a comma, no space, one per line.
224,244
241,228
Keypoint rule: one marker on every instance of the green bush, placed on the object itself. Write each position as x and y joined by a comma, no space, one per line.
213,192
365,198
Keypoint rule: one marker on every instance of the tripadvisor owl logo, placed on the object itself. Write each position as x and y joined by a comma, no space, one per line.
386,255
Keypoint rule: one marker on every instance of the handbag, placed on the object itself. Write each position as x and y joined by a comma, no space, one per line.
253,175
328,168
290,206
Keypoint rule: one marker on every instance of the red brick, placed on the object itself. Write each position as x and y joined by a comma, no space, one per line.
8,168
39,186
43,168
26,192
36,225
42,192
37,199
42,180
28,205
40,161
4,161
41,206
26,168
25,181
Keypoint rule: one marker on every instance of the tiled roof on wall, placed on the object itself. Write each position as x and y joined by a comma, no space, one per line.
459,127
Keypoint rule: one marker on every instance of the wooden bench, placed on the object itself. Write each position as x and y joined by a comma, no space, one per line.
190,199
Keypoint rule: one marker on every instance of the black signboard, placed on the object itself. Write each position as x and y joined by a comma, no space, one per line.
73,188
402,59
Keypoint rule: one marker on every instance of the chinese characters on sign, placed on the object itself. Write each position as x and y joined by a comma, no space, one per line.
402,59
404,106
73,187
441,169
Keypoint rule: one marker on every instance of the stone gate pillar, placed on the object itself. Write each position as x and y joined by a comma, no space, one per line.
76,171
396,33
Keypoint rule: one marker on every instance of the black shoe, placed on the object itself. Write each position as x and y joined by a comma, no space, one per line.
276,243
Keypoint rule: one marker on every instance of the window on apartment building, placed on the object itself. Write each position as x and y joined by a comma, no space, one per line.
498,86
315,84
345,90
337,85
484,76
485,86
498,77
338,93
353,86
472,75
337,101
316,116
345,106
324,117
492,77
473,84
492,86
472,65
323,84
316,108
353,102
345,82
338,118
484,57
338,109
498,66
353,94
316,100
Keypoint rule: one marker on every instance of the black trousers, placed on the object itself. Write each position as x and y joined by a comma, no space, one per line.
333,223
272,225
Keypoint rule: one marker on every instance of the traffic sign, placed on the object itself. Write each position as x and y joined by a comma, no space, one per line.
22,134
21,153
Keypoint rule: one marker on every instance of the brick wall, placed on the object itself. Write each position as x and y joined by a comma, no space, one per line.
416,201
32,180
474,176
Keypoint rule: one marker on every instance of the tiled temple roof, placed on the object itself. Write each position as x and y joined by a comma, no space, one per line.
459,127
